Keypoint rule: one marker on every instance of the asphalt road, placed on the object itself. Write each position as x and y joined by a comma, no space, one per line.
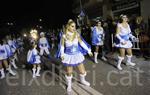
105,79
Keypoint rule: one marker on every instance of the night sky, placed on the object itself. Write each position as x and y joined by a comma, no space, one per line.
53,12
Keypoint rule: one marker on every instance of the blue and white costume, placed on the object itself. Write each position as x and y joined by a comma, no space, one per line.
8,50
33,57
15,43
44,46
124,35
3,52
98,40
12,45
3,56
72,51
9,55
98,36
20,42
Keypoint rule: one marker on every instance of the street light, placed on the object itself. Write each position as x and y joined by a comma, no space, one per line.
10,23
25,35
40,20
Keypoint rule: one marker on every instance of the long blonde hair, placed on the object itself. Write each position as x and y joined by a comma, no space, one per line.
70,21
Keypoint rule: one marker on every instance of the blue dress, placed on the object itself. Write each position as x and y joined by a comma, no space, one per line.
33,57
3,52
124,35
72,51
97,36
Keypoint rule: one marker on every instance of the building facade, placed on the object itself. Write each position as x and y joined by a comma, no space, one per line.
104,8
92,8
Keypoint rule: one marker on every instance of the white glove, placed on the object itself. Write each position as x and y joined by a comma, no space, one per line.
121,40
85,47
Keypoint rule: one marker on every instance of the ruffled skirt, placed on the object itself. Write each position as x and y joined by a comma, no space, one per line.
37,60
73,60
127,45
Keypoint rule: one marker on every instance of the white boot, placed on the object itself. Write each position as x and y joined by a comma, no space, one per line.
95,57
69,83
2,73
83,81
12,61
10,71
129,61
120,59
104,58
38,71
33,73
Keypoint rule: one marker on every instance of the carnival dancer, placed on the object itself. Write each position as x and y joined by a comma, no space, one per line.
4,54
13,49
98,40
123,34
9,52
44,45
34,59
72,55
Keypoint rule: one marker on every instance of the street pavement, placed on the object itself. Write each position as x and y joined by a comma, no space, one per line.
105,79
